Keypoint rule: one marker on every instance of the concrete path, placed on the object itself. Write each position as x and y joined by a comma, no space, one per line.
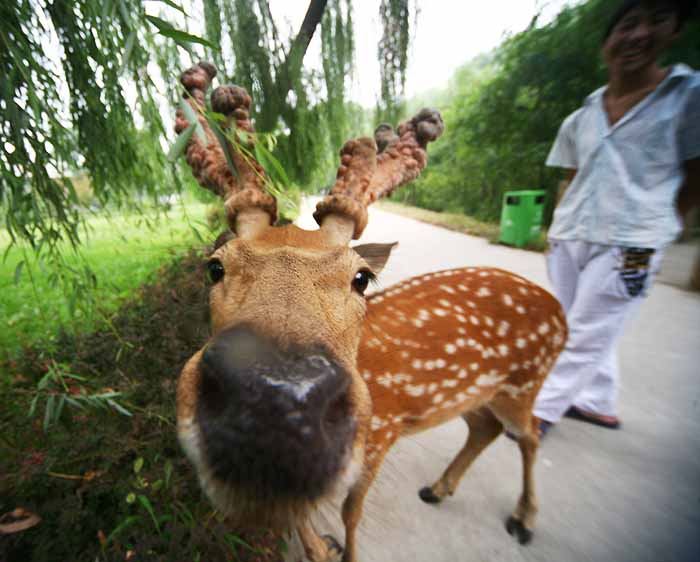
611,496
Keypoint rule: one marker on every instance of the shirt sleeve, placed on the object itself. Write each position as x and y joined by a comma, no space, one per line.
689,124
563,152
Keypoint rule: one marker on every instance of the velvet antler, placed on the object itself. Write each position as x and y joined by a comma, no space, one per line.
248,206
365,176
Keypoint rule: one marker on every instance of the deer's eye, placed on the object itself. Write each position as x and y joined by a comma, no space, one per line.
361,280
215,270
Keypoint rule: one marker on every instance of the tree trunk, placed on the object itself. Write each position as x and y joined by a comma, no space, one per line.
293,62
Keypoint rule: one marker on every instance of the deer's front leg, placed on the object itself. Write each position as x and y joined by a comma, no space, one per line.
316,548
352,506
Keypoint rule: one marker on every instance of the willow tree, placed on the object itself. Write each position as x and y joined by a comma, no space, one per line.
80,92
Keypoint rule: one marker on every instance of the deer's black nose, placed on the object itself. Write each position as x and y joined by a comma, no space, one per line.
276,419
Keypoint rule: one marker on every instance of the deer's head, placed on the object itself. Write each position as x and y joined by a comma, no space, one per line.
271,411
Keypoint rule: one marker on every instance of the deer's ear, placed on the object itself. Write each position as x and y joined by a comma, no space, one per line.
376,255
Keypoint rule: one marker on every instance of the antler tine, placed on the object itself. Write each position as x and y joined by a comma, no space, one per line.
248,207
365,176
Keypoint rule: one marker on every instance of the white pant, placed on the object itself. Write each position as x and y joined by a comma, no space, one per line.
599,287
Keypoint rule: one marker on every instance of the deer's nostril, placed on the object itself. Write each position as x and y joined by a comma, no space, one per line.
337,412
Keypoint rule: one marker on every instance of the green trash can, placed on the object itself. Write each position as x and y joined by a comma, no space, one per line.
521,217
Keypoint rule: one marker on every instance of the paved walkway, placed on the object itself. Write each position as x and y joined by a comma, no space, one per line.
610,496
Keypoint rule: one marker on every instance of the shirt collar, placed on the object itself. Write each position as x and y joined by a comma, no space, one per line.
678,73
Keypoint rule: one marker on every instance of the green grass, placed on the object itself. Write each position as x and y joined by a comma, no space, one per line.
123,251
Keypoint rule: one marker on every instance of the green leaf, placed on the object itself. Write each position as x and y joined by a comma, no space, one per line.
192,117
138,465
32,407
129,47
128,522
174,5
168,472
146,503
180,143
223,141
18,271
119,408
167,30
130,498
48,413
59,408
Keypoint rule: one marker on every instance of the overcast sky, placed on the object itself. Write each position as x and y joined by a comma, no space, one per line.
448,34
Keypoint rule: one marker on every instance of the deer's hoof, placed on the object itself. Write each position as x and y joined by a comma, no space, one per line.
335,551
516,528
428,496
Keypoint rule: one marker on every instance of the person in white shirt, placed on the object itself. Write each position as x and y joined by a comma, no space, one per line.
632,156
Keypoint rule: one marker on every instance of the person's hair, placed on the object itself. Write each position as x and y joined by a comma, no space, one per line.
684,10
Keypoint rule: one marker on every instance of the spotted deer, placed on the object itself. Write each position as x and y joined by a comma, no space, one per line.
305,383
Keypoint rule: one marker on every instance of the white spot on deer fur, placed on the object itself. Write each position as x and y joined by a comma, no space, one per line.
440,363
543,328
462,374
474,390
448,289
474,366
514,366
461,342
414,389
483,274
377,423
490,379
439,312
438,398
432,387
503,327
444,302
461,397
461,331
523,291
454,367
474,320
417,323
405,355
462,288
483,292
489,321
450,348
377,299
461,319
503,350
471,304
520,309
520,343
417,364
449,383
507,300
532,337
429,365
486,333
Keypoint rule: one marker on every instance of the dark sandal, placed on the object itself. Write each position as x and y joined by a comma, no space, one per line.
543,426
610,422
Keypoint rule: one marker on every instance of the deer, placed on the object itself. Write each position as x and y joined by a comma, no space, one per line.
306,382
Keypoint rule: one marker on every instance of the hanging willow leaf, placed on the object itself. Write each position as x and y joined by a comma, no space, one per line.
174,5
129,47
180,143
167,30
192,117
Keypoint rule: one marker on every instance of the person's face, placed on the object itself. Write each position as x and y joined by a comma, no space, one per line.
640,37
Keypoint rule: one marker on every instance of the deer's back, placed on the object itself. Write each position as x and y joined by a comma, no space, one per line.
442,343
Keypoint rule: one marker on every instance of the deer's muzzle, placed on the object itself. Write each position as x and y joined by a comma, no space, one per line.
274,422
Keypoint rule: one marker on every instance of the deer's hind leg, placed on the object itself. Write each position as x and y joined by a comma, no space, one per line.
484,427
518,418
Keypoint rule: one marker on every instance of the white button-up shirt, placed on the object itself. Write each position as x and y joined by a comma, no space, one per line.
629,173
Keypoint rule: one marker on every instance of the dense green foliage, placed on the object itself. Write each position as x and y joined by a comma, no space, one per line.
505,109
83,86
